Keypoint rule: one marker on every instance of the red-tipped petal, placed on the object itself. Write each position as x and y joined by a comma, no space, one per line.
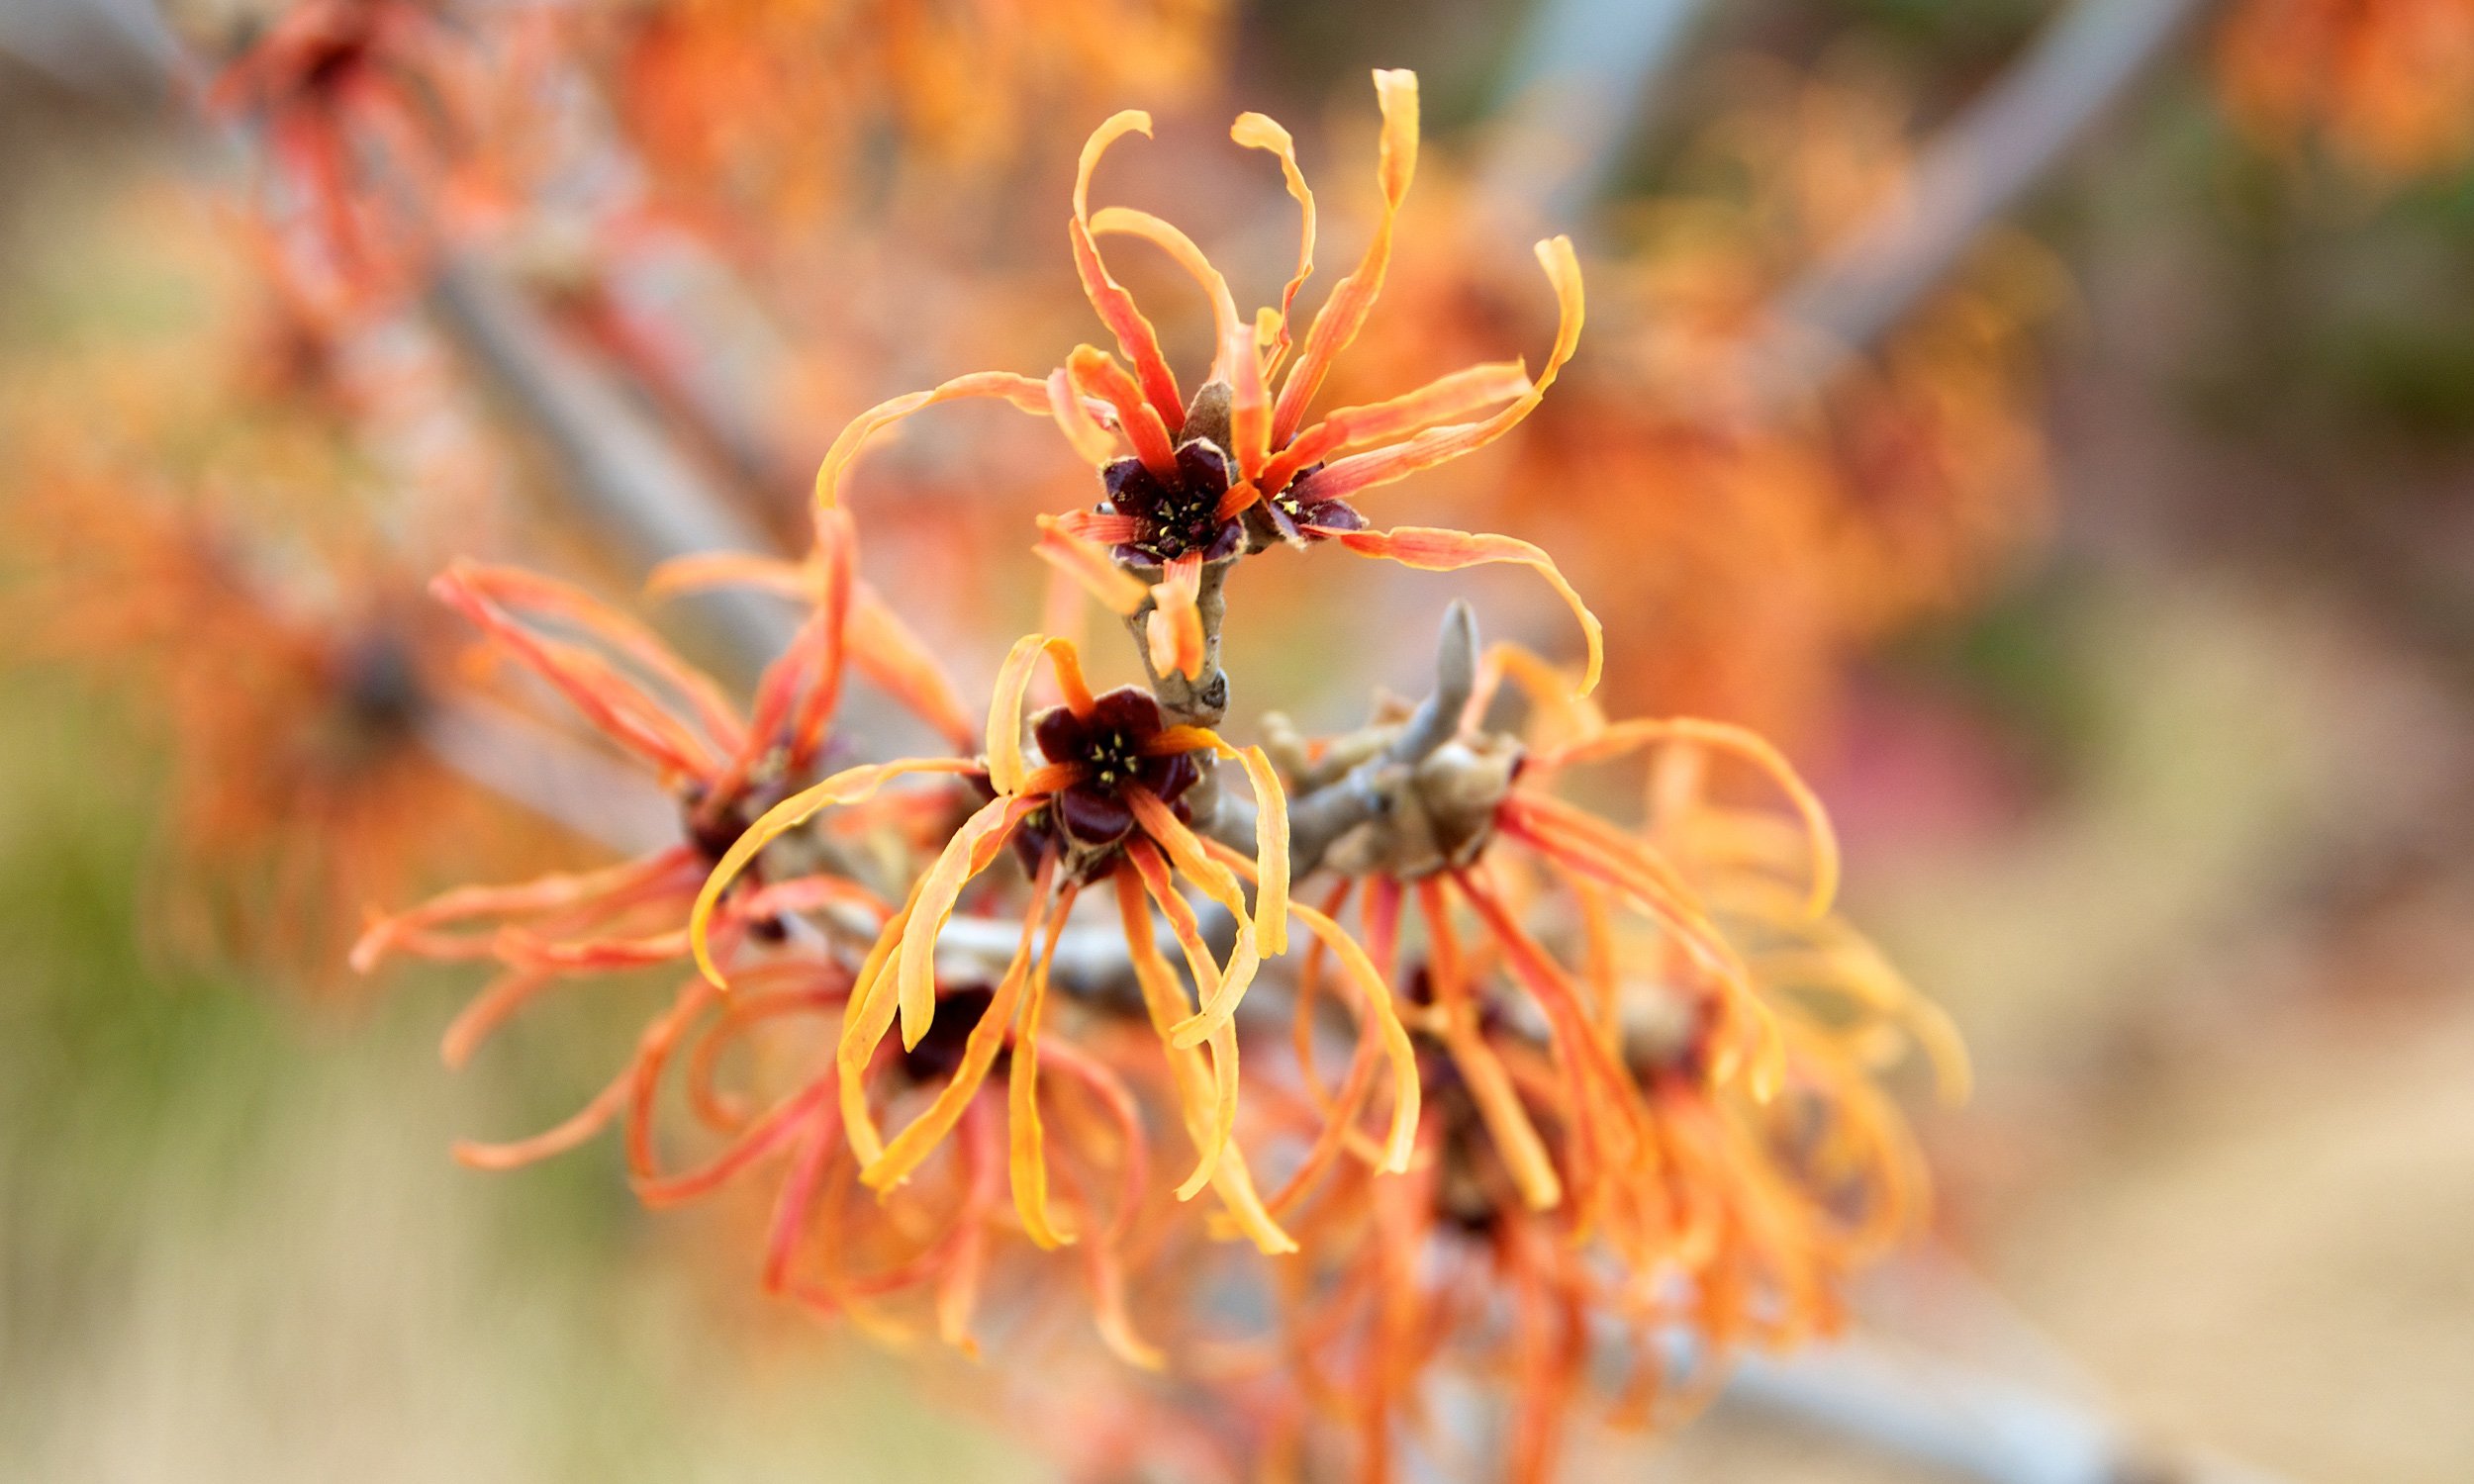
1352,299
1096,373
1108,298
1345,476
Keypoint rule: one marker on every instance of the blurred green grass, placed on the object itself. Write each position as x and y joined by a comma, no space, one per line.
233,1245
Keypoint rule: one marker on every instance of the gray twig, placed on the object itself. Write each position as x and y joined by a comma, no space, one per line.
117,52
1331,811
619,470
1975,170
1580,88
1963,1420
1203,700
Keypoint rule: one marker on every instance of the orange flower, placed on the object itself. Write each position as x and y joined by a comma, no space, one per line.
364,106
2389,82
844,1248
1401,1273
1103,802
1767,544
1239,466
724,768
768,105
819,1247
1650,1081
302,782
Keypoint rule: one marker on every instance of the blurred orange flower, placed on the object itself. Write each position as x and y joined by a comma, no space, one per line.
303,787
2390,83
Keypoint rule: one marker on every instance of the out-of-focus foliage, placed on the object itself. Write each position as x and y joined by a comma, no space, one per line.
2116,600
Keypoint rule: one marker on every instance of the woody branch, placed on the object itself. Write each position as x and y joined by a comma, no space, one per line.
1976,169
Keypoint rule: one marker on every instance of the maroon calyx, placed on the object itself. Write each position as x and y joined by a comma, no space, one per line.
1301,520
711,827
1179,516
939,1053
1109,743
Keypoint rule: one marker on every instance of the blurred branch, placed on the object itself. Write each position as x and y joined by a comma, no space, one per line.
1959,1419
622,472
626,478
116,52
1581,84
1977,169
723,355
527,764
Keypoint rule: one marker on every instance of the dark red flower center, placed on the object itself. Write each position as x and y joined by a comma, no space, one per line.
711,827
380,686
1297,513
325,70
1110,744
1111,759
938,1056
1179,515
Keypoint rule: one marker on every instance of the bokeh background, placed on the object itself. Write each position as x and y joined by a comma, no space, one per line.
2145,712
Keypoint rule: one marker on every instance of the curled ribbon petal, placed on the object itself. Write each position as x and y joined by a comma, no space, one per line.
1174,632
1114,306
1258,131
1093,443
849,786
1343,478
1344,313
1435,549
1228,327
1028,393
1096,373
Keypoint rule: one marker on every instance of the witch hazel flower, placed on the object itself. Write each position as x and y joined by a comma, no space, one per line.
1098,799
1190,484
1651,1066
723,765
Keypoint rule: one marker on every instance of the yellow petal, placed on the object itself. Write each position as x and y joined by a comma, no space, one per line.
1270,854
1401,1143
919,1138
1164,1001
1005,714
849,786
1027,1156
961,859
